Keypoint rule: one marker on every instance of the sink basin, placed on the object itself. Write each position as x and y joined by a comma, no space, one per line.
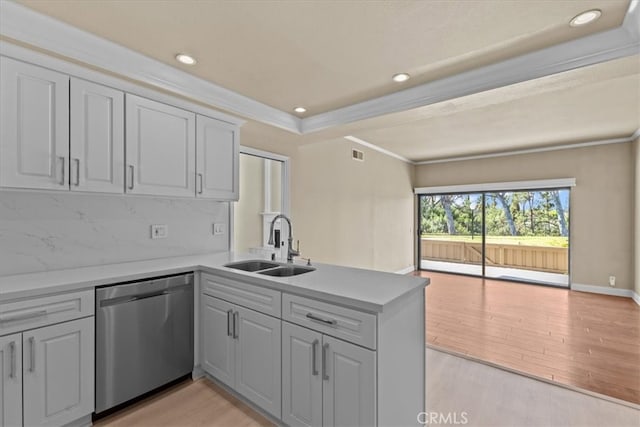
252,265
287,270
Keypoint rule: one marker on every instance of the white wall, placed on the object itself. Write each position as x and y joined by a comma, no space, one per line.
48,231
636,151
601,241
353,213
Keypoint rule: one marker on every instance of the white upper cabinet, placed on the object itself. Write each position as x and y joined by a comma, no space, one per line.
64,133
97,138
217,153
160,148
34,126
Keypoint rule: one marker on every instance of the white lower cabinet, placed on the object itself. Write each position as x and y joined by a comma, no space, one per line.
241,348
326,381
314,363
48,375
11,380
58,372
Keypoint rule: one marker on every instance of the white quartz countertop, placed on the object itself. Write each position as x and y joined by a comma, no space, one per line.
352,287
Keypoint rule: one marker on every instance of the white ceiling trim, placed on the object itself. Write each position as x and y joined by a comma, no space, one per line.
377,148
593,49
23,24
47,61
537,184
631,138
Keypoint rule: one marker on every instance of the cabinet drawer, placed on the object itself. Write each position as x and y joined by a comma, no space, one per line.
257,298
341,322
35,312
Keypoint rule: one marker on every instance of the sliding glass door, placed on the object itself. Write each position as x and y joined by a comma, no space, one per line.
451,233
511,235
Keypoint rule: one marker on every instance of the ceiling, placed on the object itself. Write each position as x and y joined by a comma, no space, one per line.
328,54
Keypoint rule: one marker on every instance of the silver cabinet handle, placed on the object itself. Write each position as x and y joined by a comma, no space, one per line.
201,183
12,350
314,350
63,160
236,326
26,316
32,345
332,322
77,162
229,321
131,183
325,355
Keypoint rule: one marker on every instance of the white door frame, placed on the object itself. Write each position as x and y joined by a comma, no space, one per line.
286,186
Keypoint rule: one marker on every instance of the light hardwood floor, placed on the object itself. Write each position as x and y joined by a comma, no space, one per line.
187,404
585,340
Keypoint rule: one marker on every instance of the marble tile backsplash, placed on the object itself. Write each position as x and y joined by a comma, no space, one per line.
51,231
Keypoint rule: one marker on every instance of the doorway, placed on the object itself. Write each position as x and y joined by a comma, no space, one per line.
264,194
518,235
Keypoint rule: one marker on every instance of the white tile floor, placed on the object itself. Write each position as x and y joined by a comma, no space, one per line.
494,397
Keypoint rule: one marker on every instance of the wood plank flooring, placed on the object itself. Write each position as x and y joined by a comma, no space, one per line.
580,339
190,403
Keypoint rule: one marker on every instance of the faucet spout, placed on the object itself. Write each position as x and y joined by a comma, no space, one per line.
290,251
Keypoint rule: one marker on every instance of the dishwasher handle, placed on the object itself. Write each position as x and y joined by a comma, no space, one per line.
141,296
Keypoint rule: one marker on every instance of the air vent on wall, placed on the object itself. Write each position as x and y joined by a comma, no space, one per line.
357,155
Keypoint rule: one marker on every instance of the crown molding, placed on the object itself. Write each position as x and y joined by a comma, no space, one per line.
25,25
630,138
378,149
589,50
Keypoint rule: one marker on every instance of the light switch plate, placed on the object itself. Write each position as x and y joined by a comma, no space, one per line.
218,229
159,231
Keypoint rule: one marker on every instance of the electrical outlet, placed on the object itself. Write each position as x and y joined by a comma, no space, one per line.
159,231
218,229
612,281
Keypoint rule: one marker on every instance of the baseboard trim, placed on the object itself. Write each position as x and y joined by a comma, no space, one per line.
636,297
602,290
407,270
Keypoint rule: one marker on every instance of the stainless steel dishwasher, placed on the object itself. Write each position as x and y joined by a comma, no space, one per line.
144,337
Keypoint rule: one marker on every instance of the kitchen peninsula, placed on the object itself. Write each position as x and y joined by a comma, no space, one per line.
334,345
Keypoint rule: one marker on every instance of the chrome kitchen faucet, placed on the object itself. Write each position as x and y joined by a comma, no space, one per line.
290,251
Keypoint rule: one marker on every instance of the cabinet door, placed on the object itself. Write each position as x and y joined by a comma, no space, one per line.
97,138
258,362
58,378
160,148
301,376
218,345
217,156
34,127
349,385
11,380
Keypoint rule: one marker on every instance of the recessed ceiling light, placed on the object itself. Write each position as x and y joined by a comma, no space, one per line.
401,77
185,59
585,18
300,110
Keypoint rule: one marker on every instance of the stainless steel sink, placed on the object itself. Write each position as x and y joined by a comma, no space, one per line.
252,265
287,270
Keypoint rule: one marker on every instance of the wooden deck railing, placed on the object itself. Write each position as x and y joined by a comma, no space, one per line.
539,258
